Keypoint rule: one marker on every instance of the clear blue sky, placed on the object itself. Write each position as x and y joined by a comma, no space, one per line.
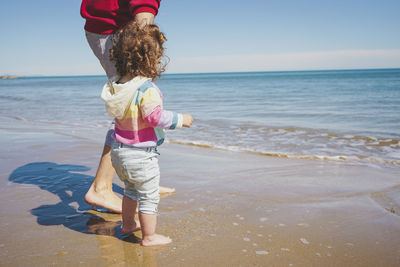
46,37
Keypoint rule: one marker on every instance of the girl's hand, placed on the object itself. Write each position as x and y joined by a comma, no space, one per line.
187,120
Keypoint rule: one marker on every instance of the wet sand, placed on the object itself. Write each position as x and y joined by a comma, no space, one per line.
230,209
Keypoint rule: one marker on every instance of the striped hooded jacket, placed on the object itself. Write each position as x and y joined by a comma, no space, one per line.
137,107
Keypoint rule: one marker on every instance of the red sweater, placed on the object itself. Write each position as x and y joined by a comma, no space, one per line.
107,16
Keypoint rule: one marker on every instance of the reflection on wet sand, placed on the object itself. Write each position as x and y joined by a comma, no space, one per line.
107,228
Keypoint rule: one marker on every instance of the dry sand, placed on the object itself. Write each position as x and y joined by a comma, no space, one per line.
230,209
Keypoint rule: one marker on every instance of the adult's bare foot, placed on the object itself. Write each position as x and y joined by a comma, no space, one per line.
105,198
156,240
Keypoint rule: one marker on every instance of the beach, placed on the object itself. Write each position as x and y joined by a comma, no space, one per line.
277,137
230,208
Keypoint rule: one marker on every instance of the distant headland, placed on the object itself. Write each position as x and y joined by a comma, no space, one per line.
9,77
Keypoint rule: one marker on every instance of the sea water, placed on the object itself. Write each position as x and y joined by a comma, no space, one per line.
346,115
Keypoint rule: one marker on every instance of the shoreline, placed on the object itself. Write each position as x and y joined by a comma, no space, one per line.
338,158
230,209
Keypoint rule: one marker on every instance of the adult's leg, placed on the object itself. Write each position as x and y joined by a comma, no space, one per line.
100,193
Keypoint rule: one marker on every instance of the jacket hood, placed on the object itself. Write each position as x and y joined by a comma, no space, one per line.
118,96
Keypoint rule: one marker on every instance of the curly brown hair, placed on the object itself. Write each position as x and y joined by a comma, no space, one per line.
138,51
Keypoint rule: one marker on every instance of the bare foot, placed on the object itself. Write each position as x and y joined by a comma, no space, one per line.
131,228
155,240
104,198
167,190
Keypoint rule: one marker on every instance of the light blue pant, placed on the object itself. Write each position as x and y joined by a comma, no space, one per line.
138,169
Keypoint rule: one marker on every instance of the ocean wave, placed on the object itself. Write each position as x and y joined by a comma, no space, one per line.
68,124
358,159
13,98
282,142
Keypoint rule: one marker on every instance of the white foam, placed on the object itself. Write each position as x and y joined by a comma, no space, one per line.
303,224
304,241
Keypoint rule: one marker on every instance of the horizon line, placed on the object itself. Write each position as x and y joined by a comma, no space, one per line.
217,72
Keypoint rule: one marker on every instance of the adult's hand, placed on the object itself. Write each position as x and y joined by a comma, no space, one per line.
144,18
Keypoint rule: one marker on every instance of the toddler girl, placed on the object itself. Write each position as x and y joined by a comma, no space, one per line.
135,103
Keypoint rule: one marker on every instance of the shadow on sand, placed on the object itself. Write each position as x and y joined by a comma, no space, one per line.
70,185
